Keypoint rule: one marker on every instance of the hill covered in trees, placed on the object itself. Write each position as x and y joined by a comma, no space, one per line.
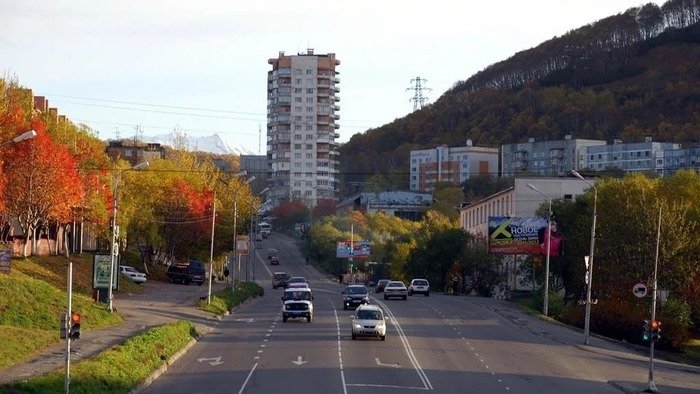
628,76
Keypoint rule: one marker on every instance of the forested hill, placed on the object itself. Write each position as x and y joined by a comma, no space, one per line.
627,76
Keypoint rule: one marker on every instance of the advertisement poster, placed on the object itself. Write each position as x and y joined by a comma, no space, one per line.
360,250
527,235
100,272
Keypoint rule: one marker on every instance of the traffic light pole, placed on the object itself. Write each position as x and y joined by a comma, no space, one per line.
70,308
652,385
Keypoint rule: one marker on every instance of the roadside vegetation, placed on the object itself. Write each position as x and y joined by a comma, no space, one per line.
119,369
34,294
457,262
224,300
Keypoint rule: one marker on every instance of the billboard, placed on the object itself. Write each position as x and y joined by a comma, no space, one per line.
528,235
360,250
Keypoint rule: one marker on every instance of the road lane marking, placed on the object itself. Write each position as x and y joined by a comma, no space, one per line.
340,352
247,379
379,363
407,347
387,386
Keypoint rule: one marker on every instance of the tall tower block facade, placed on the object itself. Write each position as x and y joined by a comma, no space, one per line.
302,115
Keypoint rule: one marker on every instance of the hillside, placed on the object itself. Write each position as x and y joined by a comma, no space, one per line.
629,76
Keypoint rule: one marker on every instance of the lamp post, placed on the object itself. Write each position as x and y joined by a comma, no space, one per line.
589,285
251,254
113,249
24,136
235,219
545,306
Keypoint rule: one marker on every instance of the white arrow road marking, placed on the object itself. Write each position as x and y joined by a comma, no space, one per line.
248,320
299,361
213,361
376,359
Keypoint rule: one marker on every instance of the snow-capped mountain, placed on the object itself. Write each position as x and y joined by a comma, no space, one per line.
211,143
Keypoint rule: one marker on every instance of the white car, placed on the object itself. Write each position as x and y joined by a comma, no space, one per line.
369,321
419,286
133,274
298,303
395,288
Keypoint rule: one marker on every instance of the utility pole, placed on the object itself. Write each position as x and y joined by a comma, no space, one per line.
418,88
69,314
651,384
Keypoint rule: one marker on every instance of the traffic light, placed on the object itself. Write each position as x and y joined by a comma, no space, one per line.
646,335
655,330
74,325
63,332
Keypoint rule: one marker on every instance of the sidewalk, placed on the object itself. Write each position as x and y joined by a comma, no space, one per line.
158,304
572,336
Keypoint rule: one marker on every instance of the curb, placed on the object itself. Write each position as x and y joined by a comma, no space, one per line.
153,376
622,387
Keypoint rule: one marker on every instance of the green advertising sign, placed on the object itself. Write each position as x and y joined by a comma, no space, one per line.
100,272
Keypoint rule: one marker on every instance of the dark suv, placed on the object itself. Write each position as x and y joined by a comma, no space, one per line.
185,272
279,279
355,295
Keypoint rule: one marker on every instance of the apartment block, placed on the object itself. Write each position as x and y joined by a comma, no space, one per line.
557,157
302,115
647,156
454,165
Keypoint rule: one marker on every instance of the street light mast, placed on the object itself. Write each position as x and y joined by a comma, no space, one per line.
545,306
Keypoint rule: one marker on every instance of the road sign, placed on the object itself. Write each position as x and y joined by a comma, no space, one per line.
242,244
585,260
639,290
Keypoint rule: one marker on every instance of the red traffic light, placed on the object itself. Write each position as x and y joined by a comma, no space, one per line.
655,325
75,318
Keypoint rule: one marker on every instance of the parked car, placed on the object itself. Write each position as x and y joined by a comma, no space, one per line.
133,274
298,303
380,285
395,288
279,279
369,320
191,271
355,295
419,286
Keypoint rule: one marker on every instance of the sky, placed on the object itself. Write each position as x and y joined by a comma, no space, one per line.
200,67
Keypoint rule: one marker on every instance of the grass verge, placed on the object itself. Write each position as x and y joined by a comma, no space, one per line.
119,369
31,298
223,300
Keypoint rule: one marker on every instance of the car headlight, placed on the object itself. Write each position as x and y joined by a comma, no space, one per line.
357,326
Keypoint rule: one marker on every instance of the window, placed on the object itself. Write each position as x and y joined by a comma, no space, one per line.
309,155
297,127
310,91
297,109
297,71
297,183
298,81
297,99
297,137
297,146
297,155
310,81
309,183
297,118
310,100
297,165
308,165
309,128
309,136
309,146
310,72
297,90
310,119
309,109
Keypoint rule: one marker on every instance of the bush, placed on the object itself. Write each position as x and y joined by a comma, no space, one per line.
676,323
556,303
223,300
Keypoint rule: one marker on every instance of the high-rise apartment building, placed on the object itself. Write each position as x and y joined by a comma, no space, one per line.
302,106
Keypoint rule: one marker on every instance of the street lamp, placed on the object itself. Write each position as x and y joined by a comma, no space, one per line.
589,285
235,219
113,249
545,307
24,136
251,254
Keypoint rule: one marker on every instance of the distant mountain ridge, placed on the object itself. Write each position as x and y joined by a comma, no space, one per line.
210,143
629,76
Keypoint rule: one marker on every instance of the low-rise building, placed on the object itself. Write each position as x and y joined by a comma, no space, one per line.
551,158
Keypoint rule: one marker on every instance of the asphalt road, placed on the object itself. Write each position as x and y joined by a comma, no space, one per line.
440,343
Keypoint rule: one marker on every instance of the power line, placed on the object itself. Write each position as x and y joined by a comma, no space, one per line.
418,88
